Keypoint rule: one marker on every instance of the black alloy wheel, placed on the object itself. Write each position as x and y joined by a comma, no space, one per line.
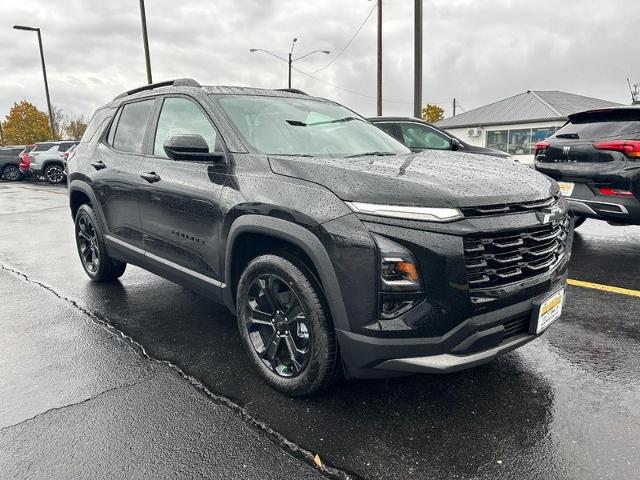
285,326
277,326
54,174
97,263
11,173
88,244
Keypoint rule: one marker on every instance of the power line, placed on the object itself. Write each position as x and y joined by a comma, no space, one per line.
353,92
338,87
348,43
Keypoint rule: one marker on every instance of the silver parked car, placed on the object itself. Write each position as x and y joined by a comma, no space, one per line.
47,160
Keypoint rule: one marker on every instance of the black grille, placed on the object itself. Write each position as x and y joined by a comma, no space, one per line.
496,260
516,326
510,208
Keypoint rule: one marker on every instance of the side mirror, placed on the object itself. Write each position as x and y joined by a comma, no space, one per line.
455,144
193,148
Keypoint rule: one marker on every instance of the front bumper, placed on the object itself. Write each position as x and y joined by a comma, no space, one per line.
477,340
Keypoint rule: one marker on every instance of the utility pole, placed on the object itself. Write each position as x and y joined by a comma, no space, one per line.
290,60
454,107
1,135
417,62
145,41
293,44
44,74
379,72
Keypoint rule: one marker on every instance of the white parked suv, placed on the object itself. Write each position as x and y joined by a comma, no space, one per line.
47,160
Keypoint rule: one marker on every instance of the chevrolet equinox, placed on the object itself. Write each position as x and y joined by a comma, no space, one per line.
337,249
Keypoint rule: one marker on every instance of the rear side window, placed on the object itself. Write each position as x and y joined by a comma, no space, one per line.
63,147
182,116
42,147
10,152
132,124
623,124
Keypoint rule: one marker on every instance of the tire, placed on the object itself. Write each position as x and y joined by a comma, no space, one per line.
284,326
579,221
97,263
11,173
54,174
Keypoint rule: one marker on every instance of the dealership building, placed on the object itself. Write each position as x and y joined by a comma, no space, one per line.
515,124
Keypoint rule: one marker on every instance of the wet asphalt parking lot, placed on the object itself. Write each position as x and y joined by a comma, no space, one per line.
565,406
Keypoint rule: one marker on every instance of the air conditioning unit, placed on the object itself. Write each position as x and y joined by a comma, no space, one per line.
474,132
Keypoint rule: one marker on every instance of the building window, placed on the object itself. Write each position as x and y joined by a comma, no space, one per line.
497,139
518,141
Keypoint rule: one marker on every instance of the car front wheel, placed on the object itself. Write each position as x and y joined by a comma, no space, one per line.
97,263
285,327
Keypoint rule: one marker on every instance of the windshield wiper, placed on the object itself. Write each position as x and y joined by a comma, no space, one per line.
370,154
567,135
298,123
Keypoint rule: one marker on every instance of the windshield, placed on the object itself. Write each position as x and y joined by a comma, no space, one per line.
306,127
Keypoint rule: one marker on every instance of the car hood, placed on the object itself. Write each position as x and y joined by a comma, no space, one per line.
429,179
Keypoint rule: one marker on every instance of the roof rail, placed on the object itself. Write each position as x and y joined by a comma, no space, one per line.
292,90
180,82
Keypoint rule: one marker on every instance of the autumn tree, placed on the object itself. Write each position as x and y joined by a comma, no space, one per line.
25,124
432,113
59,122
75,128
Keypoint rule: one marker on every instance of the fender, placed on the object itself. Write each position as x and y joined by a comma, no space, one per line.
305,241
81,186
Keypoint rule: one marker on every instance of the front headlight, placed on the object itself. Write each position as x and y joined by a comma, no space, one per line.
400,284
427,214
398,269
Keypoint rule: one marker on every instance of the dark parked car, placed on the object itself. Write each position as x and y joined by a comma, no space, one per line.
595,157
10,162
419,135
337,248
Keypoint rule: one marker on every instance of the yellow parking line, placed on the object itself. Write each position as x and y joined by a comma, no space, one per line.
604,288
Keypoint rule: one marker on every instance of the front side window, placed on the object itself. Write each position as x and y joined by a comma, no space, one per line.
305,127
129,134
180,116
422,137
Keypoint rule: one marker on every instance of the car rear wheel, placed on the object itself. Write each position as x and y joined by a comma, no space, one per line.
579,221
97,263
284,326
11,173
54,174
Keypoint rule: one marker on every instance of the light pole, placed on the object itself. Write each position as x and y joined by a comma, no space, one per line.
417,62
289,60
44,74
145,41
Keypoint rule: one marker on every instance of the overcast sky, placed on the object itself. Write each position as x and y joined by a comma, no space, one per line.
476,51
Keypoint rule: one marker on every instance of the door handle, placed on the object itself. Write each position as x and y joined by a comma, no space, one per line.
99,165
151,177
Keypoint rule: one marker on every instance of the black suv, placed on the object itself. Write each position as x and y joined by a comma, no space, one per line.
419,135
337,248
10,162
595,157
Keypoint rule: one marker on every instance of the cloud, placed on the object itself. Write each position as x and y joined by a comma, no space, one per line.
478,52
